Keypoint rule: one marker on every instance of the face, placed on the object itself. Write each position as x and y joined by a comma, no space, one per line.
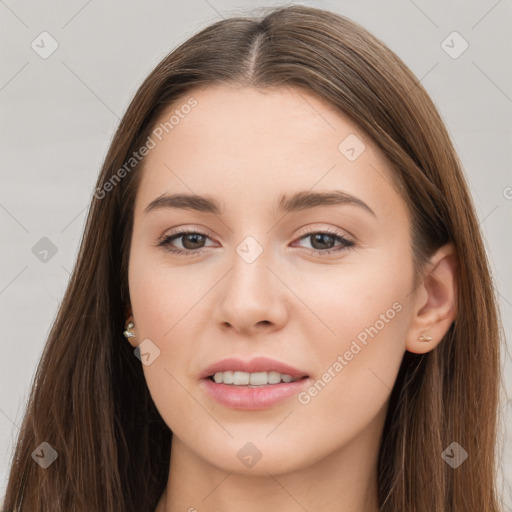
318,283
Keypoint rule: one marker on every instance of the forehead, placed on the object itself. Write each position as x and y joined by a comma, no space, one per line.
254,143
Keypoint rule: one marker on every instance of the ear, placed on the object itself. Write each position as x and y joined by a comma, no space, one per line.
435,305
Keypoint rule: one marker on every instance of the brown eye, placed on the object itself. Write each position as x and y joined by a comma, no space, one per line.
325,242
322,241
191,241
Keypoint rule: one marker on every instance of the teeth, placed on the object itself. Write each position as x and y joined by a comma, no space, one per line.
252,379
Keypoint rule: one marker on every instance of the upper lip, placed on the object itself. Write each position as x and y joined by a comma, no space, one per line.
255,365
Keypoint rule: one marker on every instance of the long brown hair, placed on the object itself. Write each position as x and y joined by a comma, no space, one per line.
89,399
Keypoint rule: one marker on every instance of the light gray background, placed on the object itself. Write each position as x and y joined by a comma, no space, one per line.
59,114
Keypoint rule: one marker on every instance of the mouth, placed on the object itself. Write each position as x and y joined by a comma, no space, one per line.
260,383
253,380
257,371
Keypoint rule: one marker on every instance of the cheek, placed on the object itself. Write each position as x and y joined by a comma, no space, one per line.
167,307
162,301
360,339
363,299
161,295
357,368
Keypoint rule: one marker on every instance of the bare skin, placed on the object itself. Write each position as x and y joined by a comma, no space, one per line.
245,148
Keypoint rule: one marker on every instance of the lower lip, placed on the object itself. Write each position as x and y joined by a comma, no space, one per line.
251,399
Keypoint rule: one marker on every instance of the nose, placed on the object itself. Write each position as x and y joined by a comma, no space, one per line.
251,299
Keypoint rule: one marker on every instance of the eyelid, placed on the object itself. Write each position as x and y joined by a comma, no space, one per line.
178,233
305,230
348,242
188,229
308,230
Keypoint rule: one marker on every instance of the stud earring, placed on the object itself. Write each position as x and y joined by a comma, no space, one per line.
425,337
128,332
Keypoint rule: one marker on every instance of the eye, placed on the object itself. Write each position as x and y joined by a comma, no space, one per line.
193,241
323,242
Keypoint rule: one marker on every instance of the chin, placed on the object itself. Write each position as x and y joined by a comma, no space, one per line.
258,457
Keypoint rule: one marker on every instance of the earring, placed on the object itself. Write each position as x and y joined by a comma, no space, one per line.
128,332
425,337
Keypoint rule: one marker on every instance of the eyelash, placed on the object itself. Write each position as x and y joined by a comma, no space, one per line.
165,242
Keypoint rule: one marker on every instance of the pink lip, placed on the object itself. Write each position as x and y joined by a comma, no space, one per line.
258,364
255,398
252,398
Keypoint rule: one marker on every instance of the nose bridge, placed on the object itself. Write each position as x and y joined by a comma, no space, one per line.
251,293
250,249
250,277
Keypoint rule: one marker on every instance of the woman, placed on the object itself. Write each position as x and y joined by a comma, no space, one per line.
283,233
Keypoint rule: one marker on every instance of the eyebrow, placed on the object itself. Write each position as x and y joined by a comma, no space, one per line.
299,201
